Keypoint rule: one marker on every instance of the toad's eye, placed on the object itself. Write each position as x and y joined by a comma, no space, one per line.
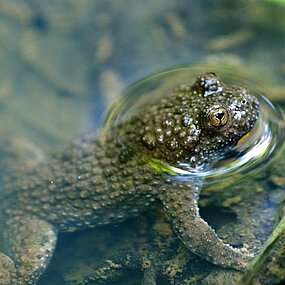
218,117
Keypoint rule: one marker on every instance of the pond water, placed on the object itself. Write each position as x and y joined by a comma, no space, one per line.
64,63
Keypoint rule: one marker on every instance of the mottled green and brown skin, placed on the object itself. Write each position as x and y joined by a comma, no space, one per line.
111,176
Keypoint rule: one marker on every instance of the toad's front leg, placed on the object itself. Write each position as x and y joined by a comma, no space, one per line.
30,243
180,200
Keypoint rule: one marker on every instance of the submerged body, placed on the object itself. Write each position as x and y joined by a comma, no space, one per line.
118,173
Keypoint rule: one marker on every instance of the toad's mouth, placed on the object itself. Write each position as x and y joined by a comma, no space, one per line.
244,137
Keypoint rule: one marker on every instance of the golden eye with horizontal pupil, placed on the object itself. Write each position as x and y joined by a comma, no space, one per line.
218,117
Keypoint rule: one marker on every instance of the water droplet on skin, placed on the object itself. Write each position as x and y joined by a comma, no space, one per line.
168,123
187,121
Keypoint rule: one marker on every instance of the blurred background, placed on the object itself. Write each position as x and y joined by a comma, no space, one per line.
63,62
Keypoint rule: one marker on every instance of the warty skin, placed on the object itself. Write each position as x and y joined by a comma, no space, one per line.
107,177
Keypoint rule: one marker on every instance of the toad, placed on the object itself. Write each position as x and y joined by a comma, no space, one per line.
120,172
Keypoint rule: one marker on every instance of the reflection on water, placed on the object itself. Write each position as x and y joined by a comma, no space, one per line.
255,150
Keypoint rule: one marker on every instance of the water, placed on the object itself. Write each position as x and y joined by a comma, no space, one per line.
265,139
63,63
